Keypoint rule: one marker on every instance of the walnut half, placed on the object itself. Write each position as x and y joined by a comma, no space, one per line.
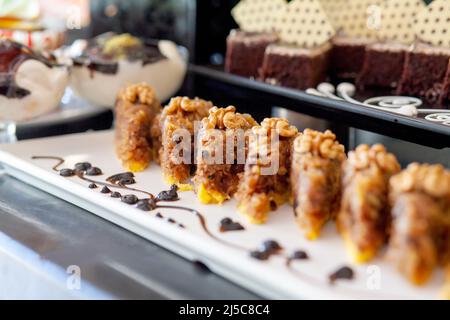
323,144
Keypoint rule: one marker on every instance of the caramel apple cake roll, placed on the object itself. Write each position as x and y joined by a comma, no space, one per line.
221,154
446,290
173,131
136,108
265,184
420,234
315,179
364,213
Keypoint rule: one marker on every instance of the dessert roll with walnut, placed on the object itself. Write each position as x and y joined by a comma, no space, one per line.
446,290
420,234
364,212
221,154
173,132
315,179
136,109
266,183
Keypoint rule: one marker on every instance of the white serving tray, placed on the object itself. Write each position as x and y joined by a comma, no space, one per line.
306,279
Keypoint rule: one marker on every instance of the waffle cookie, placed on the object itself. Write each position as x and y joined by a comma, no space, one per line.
265,184
364,213
315,179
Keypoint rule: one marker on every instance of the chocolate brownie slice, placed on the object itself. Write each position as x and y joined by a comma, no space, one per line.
245,52
383,65
347,56
445,96
424,74
295,67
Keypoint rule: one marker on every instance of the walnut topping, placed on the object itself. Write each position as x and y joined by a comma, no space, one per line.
139,93
185,104
323,144
433,180
365,157
281,126
228,118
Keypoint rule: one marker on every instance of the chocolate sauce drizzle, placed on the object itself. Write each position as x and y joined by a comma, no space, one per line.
268,248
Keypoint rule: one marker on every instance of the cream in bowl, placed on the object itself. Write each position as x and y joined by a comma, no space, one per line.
109,62
31,84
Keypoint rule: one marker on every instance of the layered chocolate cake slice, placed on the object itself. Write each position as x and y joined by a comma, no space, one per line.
245,52
383,65
424,74
294,66
347,56
445,96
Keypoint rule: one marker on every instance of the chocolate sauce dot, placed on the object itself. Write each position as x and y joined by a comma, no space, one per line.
92,186
181,226
260,255
227,224
146,205
115,194
130,199
271,246
226,221
159,215
299,255
94,171
82,166
170,220
105,189
345,272
127,181
66,172
170,195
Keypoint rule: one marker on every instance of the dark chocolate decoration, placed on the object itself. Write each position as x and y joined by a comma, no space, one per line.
299,255
170,220
82,166
260,255
170,195
271,246
130,199
125,178
116,194
146,204
159,215
92,186
94,171
345,272
105,189
227,224
66,172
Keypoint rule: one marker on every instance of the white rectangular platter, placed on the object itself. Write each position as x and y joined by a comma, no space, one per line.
304,279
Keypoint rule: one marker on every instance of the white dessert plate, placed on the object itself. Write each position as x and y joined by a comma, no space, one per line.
221,252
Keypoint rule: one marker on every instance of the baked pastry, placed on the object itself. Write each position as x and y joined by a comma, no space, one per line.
347,56
265,184
316,179
420,235
446,290
383,65
364,212
424,74
136,108
174,132
221,155
245,52
295,67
